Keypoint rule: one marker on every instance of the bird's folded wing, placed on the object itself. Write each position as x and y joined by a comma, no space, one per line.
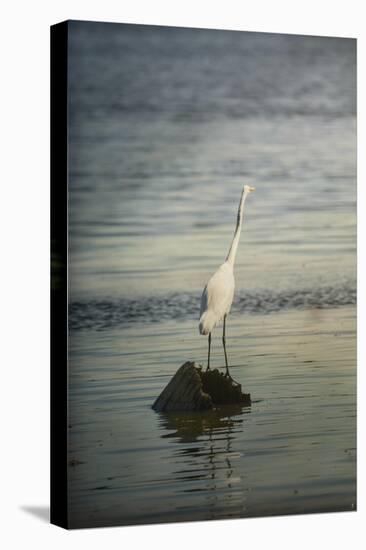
218,293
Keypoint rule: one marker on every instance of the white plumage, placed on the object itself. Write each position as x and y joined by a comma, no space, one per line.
218,294
217,298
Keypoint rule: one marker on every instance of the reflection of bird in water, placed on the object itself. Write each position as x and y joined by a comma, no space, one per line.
218,294
209,464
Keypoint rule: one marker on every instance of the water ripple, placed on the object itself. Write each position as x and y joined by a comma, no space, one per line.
109,313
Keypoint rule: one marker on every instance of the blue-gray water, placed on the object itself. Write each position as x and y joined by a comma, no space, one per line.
166,125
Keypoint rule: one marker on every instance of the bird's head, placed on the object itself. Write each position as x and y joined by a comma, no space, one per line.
248,189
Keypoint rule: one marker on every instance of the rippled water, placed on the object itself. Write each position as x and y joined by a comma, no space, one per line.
107,314
166,125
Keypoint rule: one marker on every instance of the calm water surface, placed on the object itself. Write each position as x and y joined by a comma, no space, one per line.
292,451
166,125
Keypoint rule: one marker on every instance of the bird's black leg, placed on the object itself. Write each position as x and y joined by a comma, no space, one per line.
209,350
224,344
227,374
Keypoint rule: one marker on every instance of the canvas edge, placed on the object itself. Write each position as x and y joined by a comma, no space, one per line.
59,259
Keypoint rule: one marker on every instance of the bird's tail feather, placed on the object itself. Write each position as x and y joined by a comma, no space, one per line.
207,322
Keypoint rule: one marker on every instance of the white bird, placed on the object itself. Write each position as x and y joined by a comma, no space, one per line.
218,294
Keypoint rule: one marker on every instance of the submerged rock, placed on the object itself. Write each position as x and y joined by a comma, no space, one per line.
192,389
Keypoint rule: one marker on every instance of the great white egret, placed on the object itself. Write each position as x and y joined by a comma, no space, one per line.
218,294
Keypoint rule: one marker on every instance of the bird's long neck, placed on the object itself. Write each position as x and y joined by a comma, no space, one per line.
234,245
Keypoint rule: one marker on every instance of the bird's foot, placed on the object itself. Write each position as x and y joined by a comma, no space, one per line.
228,375
208,368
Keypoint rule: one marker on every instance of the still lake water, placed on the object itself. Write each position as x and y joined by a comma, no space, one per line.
166,125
